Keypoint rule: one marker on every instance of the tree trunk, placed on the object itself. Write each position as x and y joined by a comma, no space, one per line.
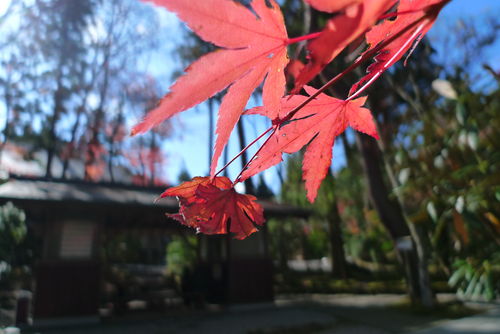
8,106
52,140
80,111
339,264
73,141
419,238
98,121
408,245
58,99
249,187
153,147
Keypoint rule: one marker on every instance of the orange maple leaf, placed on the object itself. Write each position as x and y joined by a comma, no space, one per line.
214,207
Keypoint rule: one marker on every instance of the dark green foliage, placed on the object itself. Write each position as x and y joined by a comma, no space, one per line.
13,232
311,237
122,248
476,279
181,254
448,167
17,250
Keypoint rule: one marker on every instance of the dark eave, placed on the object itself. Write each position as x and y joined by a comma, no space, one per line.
63,191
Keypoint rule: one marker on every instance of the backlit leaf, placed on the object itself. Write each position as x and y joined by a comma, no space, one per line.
254,48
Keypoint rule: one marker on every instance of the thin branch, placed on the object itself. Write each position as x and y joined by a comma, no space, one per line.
388,64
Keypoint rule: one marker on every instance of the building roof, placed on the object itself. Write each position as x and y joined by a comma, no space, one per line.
23,159
74,191
44,190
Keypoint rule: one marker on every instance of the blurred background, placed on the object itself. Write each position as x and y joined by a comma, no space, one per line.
415,213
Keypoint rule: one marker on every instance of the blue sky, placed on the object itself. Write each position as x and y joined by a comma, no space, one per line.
188,148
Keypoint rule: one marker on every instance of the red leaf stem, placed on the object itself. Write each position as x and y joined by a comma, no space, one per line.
243,150
274,127
303,38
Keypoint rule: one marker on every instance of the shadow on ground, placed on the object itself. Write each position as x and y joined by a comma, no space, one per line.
325,314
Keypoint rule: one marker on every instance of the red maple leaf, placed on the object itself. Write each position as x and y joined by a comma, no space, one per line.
406,31
254,47
339,32
318,123
212,206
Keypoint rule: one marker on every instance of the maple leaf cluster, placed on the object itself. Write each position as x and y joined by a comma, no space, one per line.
253,52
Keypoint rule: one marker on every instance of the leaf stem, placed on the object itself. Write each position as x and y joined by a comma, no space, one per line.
243,150
303,38
274,128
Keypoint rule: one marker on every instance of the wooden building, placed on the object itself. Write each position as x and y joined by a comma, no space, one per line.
74,219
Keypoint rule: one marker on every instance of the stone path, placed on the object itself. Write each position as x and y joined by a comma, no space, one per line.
488,322
322,314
